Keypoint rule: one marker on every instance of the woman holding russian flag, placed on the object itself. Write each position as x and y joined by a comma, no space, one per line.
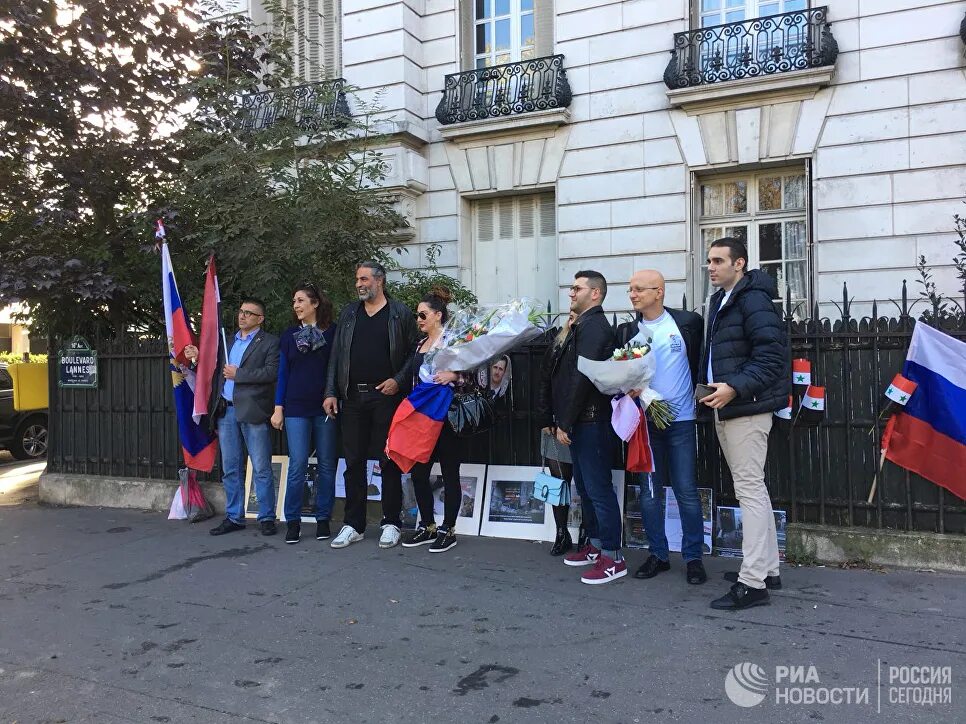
431,315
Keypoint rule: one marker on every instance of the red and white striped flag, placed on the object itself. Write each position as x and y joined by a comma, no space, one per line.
209,343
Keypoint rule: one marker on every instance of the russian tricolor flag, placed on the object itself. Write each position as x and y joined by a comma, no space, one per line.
929,436
415,427
198,446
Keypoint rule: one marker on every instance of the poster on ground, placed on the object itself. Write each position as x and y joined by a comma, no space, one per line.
730,532
672,519
471,499
279,471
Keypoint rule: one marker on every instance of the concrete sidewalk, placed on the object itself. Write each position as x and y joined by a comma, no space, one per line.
113,616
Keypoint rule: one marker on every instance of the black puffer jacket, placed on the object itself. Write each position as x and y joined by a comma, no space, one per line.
749,347
573,398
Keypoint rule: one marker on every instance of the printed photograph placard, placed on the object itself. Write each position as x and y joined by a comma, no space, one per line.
468,518
729,533
511,509
279,472
373,480
633,523
672,519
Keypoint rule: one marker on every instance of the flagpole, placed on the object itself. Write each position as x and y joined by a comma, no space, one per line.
875,478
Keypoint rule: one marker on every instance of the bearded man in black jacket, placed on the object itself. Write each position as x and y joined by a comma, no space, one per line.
581,419
746,360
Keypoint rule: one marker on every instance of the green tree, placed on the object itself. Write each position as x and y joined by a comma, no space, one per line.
86,90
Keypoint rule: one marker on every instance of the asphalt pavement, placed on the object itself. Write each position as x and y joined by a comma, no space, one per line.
121,616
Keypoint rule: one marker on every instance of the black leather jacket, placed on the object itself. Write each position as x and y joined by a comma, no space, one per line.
573,398
402,335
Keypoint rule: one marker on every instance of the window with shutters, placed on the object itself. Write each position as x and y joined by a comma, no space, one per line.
515,248
766,211
314,29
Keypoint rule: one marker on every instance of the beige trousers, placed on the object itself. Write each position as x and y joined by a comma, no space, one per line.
744,441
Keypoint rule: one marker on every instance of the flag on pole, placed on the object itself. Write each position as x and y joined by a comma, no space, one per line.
812,409
801,372
209,345
196,443
929,435
900,390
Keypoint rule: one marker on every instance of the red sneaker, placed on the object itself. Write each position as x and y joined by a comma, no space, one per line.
585,556
605,570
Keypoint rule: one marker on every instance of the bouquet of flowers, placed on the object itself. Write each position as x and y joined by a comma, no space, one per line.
630,367
473,337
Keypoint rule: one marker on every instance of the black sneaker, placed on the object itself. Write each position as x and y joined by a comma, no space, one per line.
268,527
226,526
740,597
293,531
445,539
322,531
696,575
772,583
651,567
421,537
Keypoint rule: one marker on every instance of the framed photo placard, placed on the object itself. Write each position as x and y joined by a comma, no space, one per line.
511,509
279,472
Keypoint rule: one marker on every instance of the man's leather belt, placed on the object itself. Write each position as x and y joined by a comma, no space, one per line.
365,387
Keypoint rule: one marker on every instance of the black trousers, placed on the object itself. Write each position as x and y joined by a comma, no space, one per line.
449,454
365,426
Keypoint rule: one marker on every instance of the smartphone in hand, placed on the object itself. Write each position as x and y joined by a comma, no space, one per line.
701,391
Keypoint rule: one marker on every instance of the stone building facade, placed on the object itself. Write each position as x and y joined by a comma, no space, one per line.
832,136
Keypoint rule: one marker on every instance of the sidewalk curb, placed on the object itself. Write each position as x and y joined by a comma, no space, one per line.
902,549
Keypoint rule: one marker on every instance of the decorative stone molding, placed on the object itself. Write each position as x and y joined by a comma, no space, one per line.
495,128
773,131
799,84
522,161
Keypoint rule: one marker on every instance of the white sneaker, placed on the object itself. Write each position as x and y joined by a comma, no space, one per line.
390,536
347,536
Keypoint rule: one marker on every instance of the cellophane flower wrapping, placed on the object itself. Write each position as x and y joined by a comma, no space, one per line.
474,337
613,377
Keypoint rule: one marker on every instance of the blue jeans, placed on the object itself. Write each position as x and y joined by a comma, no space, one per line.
233,438
304,435
592,446
675,453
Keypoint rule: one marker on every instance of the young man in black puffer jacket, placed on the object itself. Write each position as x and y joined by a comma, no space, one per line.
746,360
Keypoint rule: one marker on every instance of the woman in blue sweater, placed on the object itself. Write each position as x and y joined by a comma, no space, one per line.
304,357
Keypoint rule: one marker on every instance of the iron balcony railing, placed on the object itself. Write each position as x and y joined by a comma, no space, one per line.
311,106
752,48
504,90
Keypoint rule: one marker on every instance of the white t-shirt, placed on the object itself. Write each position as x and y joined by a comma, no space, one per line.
673,376
724,300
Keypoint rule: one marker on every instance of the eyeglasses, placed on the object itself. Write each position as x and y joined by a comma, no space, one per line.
249,313
638,290
422,315
574,289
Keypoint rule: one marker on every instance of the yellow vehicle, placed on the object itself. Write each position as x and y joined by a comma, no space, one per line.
23,410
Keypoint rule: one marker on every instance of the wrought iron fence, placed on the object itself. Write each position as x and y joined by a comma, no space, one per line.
503,90
750,48
309,106
820,474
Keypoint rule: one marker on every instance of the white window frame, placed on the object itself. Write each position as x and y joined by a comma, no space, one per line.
517,50
750,9
751,219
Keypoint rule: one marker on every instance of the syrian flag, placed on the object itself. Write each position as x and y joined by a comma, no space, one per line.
813,405
786,412
801,372
901,390
209,346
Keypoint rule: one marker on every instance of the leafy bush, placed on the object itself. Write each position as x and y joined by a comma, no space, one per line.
416,283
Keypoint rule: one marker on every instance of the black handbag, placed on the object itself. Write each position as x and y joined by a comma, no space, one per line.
470,413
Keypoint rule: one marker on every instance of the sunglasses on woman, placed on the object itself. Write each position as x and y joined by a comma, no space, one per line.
421,316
